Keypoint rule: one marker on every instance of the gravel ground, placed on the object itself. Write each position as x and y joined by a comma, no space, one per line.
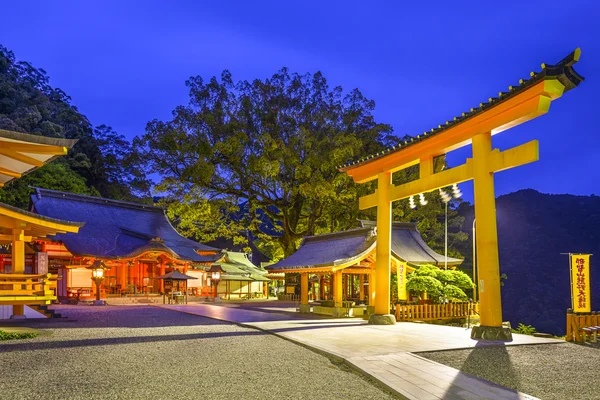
549,371
142,352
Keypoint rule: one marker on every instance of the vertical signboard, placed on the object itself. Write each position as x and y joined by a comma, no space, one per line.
41,260
401,272
580,282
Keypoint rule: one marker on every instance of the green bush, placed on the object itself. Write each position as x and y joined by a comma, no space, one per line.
17,335
524,329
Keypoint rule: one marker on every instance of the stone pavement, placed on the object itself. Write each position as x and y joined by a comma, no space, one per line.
381,352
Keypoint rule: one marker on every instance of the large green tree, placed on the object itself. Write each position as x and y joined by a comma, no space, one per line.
98,164
274,142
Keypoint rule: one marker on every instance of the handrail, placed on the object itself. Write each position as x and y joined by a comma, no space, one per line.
28,285
424,312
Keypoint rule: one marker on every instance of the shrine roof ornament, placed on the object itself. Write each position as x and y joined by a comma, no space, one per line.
562,71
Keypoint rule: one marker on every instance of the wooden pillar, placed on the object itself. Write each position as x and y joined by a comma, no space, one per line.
304,288
345,285
486,233
361,287
162,272
337,289
18,264
372,287
384,242
321,288
123,276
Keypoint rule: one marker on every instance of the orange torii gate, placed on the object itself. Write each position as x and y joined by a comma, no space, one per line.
521,103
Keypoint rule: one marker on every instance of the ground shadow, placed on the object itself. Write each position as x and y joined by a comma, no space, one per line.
491,363
105,317
66,344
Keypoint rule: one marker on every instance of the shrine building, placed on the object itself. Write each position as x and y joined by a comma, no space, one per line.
136,241
340,266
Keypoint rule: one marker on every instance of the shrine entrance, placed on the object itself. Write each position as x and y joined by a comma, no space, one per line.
521,103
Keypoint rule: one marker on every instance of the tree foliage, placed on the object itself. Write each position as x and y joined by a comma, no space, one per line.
100,160
275,143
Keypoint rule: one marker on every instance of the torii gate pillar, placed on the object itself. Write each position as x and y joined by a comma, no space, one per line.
488,264
383,259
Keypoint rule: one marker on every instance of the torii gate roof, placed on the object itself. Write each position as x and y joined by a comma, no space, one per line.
496,115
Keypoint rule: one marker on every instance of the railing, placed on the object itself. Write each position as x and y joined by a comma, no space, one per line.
425,312
288,297
577,322
18,287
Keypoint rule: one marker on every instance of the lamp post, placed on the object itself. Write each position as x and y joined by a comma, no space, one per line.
98,268
215,275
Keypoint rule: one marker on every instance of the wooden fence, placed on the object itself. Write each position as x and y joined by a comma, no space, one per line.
428,312
576,322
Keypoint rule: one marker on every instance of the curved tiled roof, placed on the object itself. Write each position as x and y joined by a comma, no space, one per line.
563,71
342,247
117,229
329,249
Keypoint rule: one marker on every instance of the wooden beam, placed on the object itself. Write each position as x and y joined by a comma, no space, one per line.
450,176
4,237
21,157
498,161
514,157
10,172
36,148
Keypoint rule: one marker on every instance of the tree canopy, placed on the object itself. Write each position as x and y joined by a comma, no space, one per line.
274,142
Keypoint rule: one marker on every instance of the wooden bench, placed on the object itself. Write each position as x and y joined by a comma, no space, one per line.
590,331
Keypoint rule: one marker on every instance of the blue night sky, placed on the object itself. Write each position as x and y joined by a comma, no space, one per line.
125,63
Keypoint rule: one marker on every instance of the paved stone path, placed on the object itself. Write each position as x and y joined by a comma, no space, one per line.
382,352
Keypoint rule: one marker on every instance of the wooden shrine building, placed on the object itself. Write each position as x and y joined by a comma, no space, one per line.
241,279
136,241
340,266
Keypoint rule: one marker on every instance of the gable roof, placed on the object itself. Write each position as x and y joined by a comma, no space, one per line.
338,248
117,229
236,266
